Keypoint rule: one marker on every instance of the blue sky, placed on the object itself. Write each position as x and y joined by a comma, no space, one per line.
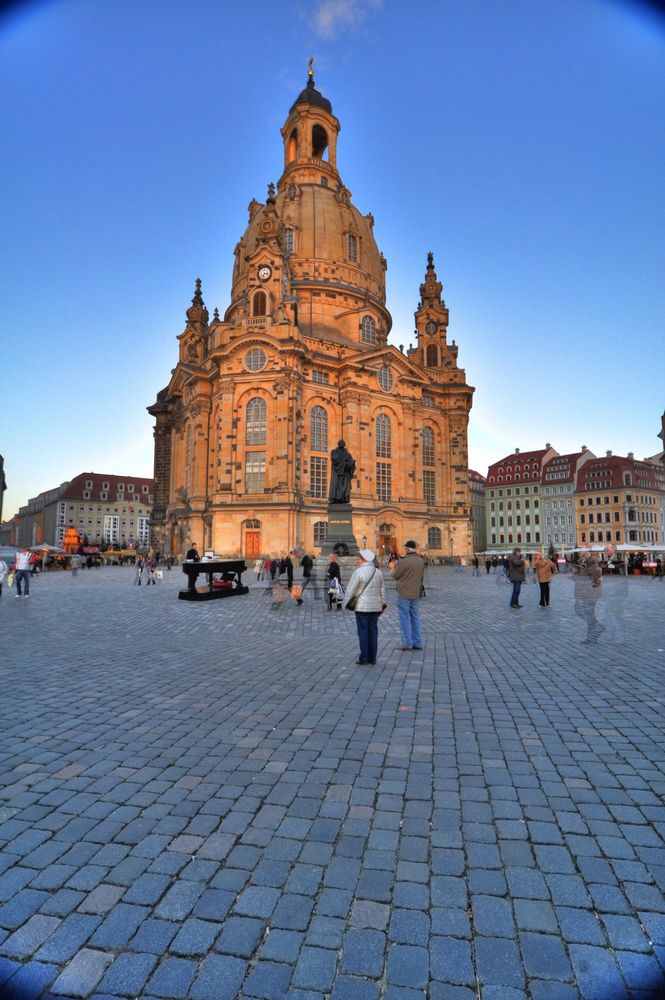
522,141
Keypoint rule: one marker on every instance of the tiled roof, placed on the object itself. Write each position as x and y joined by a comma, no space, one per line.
104,483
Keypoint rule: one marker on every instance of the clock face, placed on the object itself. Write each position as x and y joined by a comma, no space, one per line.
264,272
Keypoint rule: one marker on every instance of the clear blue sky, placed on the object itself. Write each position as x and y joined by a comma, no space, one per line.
522,141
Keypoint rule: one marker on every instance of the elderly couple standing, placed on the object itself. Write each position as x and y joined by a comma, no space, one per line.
367,586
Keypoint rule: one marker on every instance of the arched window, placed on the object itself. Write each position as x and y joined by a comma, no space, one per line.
255,421
368,330
428,445
319,142
318,429
259,304
253,524
293,146
432,356
352,247
320,532
434,538
288,241
383,436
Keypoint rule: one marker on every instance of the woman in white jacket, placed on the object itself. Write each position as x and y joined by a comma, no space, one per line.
368,587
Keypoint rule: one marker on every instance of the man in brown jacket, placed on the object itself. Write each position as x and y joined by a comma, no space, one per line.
544,569
409,573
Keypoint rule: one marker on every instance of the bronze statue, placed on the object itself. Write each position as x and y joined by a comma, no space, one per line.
342,469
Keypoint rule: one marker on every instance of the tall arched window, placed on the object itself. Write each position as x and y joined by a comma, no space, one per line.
434,538
259,304
319,142
318,429
428,445
368,330
432,356
255,421
383,436
352,247
288,241
293,146
320,532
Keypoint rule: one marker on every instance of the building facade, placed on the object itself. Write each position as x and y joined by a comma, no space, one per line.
559,482
618,502
477,494
300,359
104,510
512,500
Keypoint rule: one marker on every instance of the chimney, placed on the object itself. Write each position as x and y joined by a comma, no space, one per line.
608,454
584,448
631,454
517,451
548,446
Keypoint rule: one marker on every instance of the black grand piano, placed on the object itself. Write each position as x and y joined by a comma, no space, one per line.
223,579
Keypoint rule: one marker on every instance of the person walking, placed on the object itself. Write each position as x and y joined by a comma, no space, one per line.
588,580
544,569
516,569
367,586
334,582
151,567
475,562
23,571
307,563
488,566
409,573
138,575
4,570
258,566
75,563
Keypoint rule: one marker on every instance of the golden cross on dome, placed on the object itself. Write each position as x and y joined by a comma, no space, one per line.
310,69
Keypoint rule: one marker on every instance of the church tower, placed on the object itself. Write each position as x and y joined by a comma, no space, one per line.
300,359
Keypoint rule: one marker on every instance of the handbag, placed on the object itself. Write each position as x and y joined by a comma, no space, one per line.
10,579
351,603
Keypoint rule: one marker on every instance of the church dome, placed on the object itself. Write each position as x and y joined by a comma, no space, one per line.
312,96
311,230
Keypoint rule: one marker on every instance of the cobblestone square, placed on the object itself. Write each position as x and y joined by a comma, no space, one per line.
213,801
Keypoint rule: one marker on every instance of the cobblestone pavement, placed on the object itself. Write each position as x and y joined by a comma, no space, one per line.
212,801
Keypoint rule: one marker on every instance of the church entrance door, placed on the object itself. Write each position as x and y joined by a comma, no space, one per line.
252,544
388,543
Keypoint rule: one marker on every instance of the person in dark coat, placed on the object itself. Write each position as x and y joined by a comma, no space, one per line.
333,574
516,572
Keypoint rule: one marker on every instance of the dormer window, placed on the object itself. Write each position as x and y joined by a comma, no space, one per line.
88,484
352,247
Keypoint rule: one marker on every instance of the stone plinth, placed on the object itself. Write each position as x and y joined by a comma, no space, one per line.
340,531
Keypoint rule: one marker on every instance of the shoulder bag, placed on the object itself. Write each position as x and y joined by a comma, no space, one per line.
351,603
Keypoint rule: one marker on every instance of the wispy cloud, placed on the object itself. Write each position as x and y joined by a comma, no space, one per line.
332,17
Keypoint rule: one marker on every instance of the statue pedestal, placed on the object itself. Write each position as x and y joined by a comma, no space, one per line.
340,531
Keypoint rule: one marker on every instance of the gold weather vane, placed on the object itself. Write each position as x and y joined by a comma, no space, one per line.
310,68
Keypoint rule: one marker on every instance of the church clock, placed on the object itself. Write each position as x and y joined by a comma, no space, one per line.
264,272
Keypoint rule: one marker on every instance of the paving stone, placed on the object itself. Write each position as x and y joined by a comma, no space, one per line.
172,978
544,956
83,973
128,974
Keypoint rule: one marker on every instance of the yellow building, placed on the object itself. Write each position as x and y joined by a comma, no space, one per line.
300,359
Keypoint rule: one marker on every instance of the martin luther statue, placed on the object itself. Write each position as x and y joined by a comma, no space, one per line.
342,469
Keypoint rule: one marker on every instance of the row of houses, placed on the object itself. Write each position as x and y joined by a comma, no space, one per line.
103,510
543,500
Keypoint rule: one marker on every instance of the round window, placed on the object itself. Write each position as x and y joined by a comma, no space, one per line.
255,359
385,377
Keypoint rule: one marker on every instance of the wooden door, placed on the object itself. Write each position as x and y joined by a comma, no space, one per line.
252,544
